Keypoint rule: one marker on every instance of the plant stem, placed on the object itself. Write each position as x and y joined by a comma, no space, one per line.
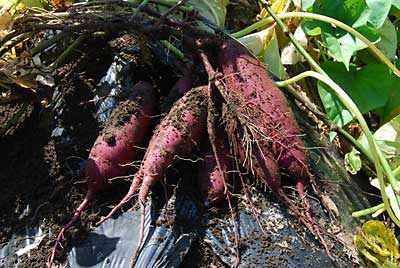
143,4
5,86
326,19
368,211
66,53
396,172
173,49
377,156
48,42
328,122
13,120
14,41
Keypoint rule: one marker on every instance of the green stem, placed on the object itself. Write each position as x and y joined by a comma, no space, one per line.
13,42
375,155
295,79
368,211
5,86
396,172
173,49
66,53
13,120
326,19
313,74
379,161
48,42
143,4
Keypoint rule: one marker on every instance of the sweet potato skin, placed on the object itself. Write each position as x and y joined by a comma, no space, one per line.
175,136
210,178
270,128
247,78
178,132
125,130
181,86
116,146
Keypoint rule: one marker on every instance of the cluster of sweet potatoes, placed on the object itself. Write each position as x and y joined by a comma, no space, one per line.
254,131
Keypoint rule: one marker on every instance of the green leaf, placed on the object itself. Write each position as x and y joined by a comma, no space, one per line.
369,32
347,11
213,10
333,107
311,28
378,244
341,45
341,48
388,41
352,161
392,108
305,4
273,59
396,4
32,3
369,87
379,9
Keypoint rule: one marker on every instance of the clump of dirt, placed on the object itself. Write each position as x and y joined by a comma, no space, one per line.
122,114
195,102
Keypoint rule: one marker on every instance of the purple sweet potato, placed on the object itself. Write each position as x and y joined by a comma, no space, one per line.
175,136
271,131
183,85
210,178
117,146
247,80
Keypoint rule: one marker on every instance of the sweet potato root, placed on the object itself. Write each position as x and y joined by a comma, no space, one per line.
126,129
211,180
262,119
266,123
181,86
246,77
175,137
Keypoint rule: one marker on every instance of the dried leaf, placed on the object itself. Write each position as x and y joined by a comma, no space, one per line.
378,244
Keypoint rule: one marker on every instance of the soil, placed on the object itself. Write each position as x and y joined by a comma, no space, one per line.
36,174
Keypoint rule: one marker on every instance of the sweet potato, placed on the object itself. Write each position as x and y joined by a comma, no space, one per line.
246,76
266,124
184,84
181,86
211,179
175,137
265,120
126,129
